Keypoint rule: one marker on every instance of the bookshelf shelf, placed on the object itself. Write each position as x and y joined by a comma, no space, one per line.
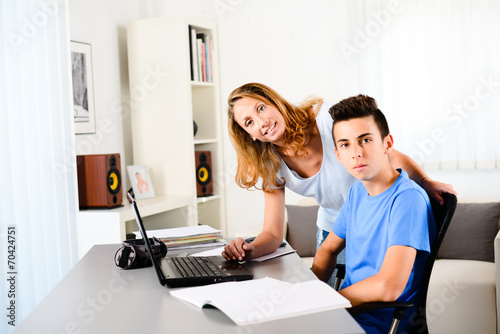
202,84
207,199
205,141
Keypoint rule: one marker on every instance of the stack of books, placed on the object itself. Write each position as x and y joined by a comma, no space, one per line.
201,56
189,237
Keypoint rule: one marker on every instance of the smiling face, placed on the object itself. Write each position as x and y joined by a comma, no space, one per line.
360,147
260,120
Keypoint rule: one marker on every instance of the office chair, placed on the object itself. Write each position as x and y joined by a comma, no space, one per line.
442,216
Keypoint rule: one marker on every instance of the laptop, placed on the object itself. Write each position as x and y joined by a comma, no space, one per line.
191,271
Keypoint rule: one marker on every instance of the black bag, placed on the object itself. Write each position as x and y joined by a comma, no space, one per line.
133,254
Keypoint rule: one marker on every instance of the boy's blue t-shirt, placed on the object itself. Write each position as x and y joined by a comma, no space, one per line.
401,215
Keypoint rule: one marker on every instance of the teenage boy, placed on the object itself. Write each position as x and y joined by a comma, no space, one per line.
386,223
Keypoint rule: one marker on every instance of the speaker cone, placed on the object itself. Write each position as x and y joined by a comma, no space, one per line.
114,181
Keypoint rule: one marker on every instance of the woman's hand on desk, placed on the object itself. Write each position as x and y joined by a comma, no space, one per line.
238,250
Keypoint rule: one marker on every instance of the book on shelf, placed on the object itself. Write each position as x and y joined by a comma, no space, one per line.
200,55
210,60
195,76
189,237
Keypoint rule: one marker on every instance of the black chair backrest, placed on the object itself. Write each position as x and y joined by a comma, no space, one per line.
442,216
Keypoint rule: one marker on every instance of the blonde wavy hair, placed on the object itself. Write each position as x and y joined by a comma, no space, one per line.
261,159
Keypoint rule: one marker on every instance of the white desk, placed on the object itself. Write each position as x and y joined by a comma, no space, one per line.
98,297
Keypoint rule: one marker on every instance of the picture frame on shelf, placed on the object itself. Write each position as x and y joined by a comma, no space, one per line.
141,183
83,88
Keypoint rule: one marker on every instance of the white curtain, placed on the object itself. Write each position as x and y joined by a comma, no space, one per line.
38,196
434,68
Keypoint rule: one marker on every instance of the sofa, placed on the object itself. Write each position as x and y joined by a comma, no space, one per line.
462,296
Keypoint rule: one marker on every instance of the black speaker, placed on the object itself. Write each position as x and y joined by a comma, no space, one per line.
99,180
204,184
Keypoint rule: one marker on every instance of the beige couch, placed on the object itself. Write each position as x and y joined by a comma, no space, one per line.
463,295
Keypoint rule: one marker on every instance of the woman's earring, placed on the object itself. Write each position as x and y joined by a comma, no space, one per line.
254,139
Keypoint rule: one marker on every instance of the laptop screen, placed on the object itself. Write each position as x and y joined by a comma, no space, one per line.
145,238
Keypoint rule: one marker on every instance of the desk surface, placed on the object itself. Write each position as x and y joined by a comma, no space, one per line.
98,297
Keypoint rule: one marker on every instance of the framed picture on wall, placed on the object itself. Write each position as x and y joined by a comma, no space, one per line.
141,184
83,88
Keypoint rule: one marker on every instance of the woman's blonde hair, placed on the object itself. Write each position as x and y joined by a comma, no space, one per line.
262,159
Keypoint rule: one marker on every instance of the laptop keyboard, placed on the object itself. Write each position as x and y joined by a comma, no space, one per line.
194,266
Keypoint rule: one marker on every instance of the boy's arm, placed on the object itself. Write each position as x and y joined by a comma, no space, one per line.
326,256
417,174
389,283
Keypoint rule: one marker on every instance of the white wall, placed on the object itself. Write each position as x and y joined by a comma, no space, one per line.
103,25
288,46
293,46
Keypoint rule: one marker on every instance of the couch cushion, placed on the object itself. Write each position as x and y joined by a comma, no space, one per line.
461,297
302,229
471,233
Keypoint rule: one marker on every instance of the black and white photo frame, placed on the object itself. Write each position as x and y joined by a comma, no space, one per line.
83,88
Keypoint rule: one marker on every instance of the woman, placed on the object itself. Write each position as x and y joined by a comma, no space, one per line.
292,146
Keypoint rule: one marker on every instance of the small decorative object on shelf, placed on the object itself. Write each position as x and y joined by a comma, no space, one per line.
195,128
141,183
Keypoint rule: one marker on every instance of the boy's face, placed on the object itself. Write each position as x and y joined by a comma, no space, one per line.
360,148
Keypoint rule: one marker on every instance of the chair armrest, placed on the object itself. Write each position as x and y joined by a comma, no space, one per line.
497,262
340,270
340,275
399,308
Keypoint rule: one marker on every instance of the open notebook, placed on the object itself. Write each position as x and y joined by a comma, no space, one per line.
265,299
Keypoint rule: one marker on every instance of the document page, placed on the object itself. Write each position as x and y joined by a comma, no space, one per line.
264,299
277,253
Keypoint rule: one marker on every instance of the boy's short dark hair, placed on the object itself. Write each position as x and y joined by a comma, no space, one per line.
357,107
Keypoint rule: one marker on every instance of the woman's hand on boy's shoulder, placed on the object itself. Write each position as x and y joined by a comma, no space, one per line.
435,189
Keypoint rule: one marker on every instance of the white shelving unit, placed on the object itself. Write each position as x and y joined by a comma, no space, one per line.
164,103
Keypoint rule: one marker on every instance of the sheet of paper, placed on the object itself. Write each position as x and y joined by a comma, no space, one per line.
277,253
264,299
211,252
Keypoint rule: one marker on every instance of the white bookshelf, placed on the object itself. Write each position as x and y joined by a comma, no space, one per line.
162,117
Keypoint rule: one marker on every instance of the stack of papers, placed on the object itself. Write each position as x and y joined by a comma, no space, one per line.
188,237
260,300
